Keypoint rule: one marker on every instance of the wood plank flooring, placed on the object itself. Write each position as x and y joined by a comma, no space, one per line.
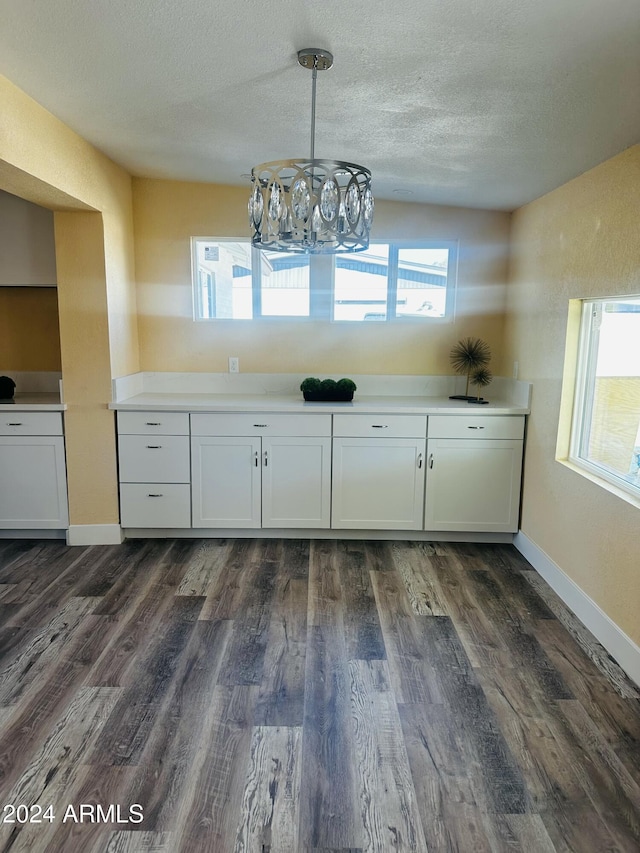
295,696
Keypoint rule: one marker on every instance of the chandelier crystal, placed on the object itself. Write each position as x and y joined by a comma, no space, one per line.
311,205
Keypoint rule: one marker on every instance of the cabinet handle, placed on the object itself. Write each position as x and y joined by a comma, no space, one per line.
431,460
155,495
261,425
475,427
15,423
153,423
154,446
255,458
419,460
266,459
380,426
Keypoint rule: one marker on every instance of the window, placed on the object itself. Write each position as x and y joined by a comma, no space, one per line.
605,434
234,282
388,282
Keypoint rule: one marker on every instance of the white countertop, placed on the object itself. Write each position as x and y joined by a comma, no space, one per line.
294,403
34,402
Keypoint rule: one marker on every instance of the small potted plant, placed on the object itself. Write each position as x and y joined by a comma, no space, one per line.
327,390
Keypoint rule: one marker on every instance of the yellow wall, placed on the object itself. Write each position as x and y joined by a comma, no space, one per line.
44,161
29,334
168,213
580,240
87,380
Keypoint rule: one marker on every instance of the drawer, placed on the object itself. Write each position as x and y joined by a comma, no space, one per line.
153,423
260,424
380,426
155,505
154,459
476,426
31,423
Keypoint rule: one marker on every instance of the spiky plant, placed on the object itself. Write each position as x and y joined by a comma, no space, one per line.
481,378
468,355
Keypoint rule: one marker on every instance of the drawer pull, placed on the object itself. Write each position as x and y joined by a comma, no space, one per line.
155,495
15,423
380,426
255,458
475,427
261,425
154,446
431,460
419,460
266,459
153,423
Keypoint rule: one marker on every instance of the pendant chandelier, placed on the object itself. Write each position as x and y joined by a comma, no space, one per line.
312,206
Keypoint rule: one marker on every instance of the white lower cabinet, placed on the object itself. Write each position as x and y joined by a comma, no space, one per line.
33,474
225,481
347,471
155,470
33,482
378,482
296,482
473,484
261,480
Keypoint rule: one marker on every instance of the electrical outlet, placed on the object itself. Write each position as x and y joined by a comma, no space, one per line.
234,364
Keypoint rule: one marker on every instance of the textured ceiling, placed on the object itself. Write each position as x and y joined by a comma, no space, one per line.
481,103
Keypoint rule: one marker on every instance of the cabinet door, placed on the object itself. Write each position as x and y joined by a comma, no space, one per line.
33,483
378,484
473,485
296,482
225,481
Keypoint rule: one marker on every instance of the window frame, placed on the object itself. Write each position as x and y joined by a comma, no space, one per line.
584,396
322,284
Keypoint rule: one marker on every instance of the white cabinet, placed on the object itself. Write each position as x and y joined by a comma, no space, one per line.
473,484
276,473
33,480
225,481
378,482
306,471
296,481
154,469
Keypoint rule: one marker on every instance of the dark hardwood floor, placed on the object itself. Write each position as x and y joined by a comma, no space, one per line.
288,696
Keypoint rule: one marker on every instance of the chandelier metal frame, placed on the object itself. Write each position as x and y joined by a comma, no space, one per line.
315,206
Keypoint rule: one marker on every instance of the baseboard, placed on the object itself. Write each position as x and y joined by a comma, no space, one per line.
312,533
94,534
23,533
621,647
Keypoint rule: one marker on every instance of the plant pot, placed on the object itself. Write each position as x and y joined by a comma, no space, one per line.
328,396
7,389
